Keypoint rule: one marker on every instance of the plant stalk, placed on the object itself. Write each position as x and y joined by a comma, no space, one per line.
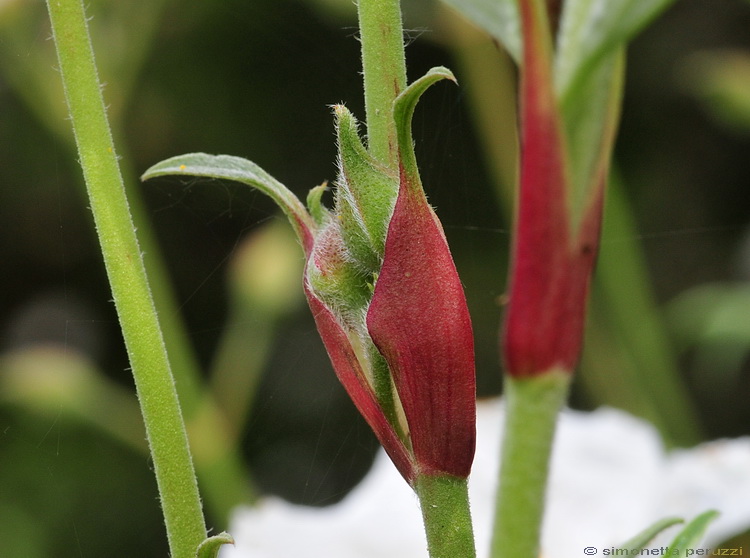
444,500
531,408
123,260
447,517
384,68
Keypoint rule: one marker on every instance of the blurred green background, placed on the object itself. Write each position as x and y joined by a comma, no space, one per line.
669,334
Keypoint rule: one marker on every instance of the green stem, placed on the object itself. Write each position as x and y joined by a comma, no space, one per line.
123,260
446,514
384,68
532,406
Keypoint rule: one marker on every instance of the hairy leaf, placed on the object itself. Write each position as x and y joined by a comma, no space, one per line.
227,167
211,546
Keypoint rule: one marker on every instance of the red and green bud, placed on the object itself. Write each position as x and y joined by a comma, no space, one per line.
384,292
416,321
558,220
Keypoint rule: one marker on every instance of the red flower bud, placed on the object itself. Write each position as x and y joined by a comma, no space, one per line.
555,243
419,321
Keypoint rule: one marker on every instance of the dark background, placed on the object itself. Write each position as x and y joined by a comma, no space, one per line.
256,79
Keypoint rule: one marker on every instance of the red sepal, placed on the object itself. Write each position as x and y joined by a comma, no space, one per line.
350,374
419,321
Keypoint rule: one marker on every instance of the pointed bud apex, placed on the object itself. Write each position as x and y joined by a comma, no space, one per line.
318,212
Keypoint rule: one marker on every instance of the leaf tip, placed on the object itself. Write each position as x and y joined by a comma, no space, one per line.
209,548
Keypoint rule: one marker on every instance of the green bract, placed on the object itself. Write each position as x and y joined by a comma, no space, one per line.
365,194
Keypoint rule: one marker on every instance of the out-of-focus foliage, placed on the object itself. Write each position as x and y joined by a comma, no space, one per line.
256,79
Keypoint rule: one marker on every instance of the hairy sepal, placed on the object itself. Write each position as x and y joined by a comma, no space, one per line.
418,318
365,194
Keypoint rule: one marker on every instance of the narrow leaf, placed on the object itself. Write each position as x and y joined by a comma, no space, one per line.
638,542
590,127
691,535
211,546
591,29
499,18
227,167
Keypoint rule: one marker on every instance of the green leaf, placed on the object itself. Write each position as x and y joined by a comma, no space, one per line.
210,547
590,123
403,110
227,167
644,537
691,535
499,18
591,29
318,211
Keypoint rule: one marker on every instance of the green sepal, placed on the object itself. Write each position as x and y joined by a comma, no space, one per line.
211,546
318,211
365,194
647,535
691,534
227,167
403,110
335,279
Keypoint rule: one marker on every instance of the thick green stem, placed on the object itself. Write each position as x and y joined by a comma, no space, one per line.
446,515
384,68
531,409
123,260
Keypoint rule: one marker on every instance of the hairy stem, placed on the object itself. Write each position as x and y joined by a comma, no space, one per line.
384,69
532,406
124,263
446,515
